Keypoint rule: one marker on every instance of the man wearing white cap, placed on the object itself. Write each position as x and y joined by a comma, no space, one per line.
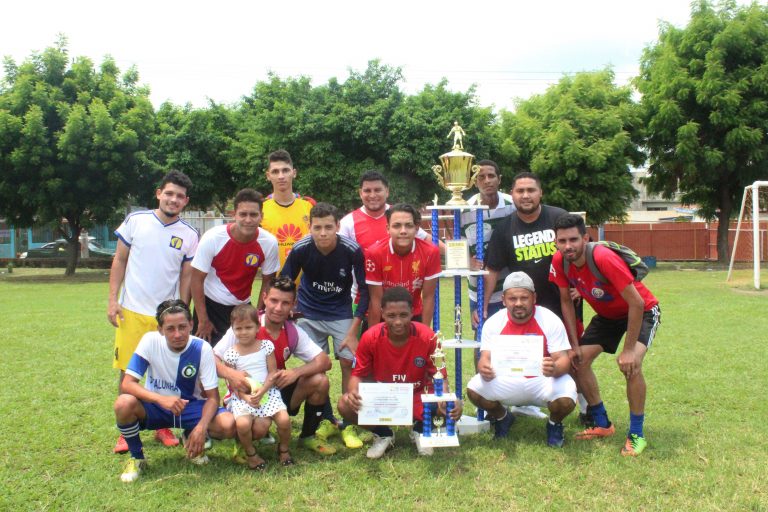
554,388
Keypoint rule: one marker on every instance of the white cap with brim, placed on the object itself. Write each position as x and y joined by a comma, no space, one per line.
519,280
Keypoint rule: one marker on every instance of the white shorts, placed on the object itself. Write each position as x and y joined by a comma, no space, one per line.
520,391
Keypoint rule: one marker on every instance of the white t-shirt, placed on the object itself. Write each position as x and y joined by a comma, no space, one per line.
232,266
157,252
184,374
306,349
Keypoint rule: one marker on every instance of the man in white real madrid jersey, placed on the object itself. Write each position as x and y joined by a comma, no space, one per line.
151,264
181,389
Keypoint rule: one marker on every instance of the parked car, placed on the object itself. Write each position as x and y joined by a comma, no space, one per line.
58,249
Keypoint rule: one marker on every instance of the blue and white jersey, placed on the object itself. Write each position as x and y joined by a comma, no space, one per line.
184,374
326,281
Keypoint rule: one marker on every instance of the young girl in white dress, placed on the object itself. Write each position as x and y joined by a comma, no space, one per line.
255,412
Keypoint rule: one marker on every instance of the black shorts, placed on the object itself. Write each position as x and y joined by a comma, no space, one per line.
607,332
287,394
219,315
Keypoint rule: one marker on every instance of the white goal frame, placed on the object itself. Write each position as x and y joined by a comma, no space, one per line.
754,189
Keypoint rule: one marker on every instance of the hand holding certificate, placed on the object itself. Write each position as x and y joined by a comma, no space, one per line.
517,356
385,404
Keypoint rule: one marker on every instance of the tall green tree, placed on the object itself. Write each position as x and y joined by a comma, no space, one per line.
73,141
199,142
705,101
579,138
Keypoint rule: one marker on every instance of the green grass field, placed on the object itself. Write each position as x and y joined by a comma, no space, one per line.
706,424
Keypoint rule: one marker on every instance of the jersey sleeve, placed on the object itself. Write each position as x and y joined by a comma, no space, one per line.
208,377
206,250
358,264
193,244
347,227
498,248
271,256
491,328
554,330
125,231
613,268
139,362
364,356
374,272
225,343
433,269
306,349
423,235
268,346
556,271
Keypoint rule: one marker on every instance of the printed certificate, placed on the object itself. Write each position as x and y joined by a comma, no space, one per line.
518,356
386,404
456,254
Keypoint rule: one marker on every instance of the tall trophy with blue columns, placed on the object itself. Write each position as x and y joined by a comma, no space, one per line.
438,438
457,173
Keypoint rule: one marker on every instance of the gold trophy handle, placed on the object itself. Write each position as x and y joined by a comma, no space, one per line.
438,170
473,178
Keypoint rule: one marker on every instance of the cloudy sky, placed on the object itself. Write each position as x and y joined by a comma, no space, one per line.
191,51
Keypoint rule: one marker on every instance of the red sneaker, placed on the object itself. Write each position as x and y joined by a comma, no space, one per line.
596,432
166,437
121,446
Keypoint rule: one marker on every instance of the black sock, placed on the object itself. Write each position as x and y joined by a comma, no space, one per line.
382,431
328,412
312,417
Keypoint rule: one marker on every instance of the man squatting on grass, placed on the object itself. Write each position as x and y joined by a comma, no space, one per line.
181,389
622,305
396,350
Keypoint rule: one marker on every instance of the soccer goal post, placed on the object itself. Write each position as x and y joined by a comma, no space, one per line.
755,197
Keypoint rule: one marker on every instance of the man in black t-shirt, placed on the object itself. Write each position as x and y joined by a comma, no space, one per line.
525,241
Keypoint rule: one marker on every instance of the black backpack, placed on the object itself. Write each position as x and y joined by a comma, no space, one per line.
636,265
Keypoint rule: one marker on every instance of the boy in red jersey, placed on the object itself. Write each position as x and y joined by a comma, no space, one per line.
396,350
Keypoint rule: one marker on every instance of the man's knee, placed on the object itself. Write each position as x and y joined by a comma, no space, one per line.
222,426
126,406
315,388
561,406
475,397
346,411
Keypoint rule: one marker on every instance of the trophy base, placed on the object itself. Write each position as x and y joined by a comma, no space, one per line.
468,425
441,440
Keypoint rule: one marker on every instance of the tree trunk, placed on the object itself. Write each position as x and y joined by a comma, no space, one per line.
73,246
724,221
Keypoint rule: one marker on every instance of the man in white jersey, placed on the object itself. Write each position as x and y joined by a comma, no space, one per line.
151,264
181,389
552,386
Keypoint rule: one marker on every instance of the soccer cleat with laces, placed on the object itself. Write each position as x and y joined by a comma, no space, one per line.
555,435
501,427
325,430
380,446
634,445
350,438
121,446
166,437
596,432
318,446
133,469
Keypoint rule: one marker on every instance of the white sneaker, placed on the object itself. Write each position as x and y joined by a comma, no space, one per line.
423,450
527,410
268,439
200,460
133,469
380,446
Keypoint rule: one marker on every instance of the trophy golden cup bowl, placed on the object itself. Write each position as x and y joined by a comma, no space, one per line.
457,172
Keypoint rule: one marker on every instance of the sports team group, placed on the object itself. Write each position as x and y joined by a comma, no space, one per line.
364,283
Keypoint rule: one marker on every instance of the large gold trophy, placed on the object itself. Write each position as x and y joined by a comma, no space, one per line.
457,173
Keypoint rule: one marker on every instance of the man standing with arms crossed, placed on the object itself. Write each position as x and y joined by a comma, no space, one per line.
226,264
622,305
151,265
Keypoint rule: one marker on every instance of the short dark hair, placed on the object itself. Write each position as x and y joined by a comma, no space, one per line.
396,294
280,155
490,163
284,284
404,207
177,178
373,175
571,220
525,175
321,210
244,312
249,195
169,307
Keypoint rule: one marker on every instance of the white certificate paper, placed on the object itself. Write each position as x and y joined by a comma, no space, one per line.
517,356
386,404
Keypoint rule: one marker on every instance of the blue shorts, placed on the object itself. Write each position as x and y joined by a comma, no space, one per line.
158,418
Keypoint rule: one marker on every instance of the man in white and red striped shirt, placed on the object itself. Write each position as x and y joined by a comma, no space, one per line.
552,387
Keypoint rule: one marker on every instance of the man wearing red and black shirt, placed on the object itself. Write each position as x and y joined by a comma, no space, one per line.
623,305
395,351
403,260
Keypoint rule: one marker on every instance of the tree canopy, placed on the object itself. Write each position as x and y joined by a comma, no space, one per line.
73,141
705,102
578,138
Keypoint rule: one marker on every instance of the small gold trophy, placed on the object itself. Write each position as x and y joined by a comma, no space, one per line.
456,173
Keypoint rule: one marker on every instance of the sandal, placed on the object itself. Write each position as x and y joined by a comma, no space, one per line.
260,466
288,461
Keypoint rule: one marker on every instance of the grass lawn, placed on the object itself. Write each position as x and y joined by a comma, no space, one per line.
705,423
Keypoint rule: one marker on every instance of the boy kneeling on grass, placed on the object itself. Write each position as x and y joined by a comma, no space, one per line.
181,389
396,350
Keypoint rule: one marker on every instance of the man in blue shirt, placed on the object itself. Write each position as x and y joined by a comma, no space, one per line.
327,263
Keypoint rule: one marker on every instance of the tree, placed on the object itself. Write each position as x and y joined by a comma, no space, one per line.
579,138
199,142
73,141
705,101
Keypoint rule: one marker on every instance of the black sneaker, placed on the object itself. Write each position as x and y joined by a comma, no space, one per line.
502,426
